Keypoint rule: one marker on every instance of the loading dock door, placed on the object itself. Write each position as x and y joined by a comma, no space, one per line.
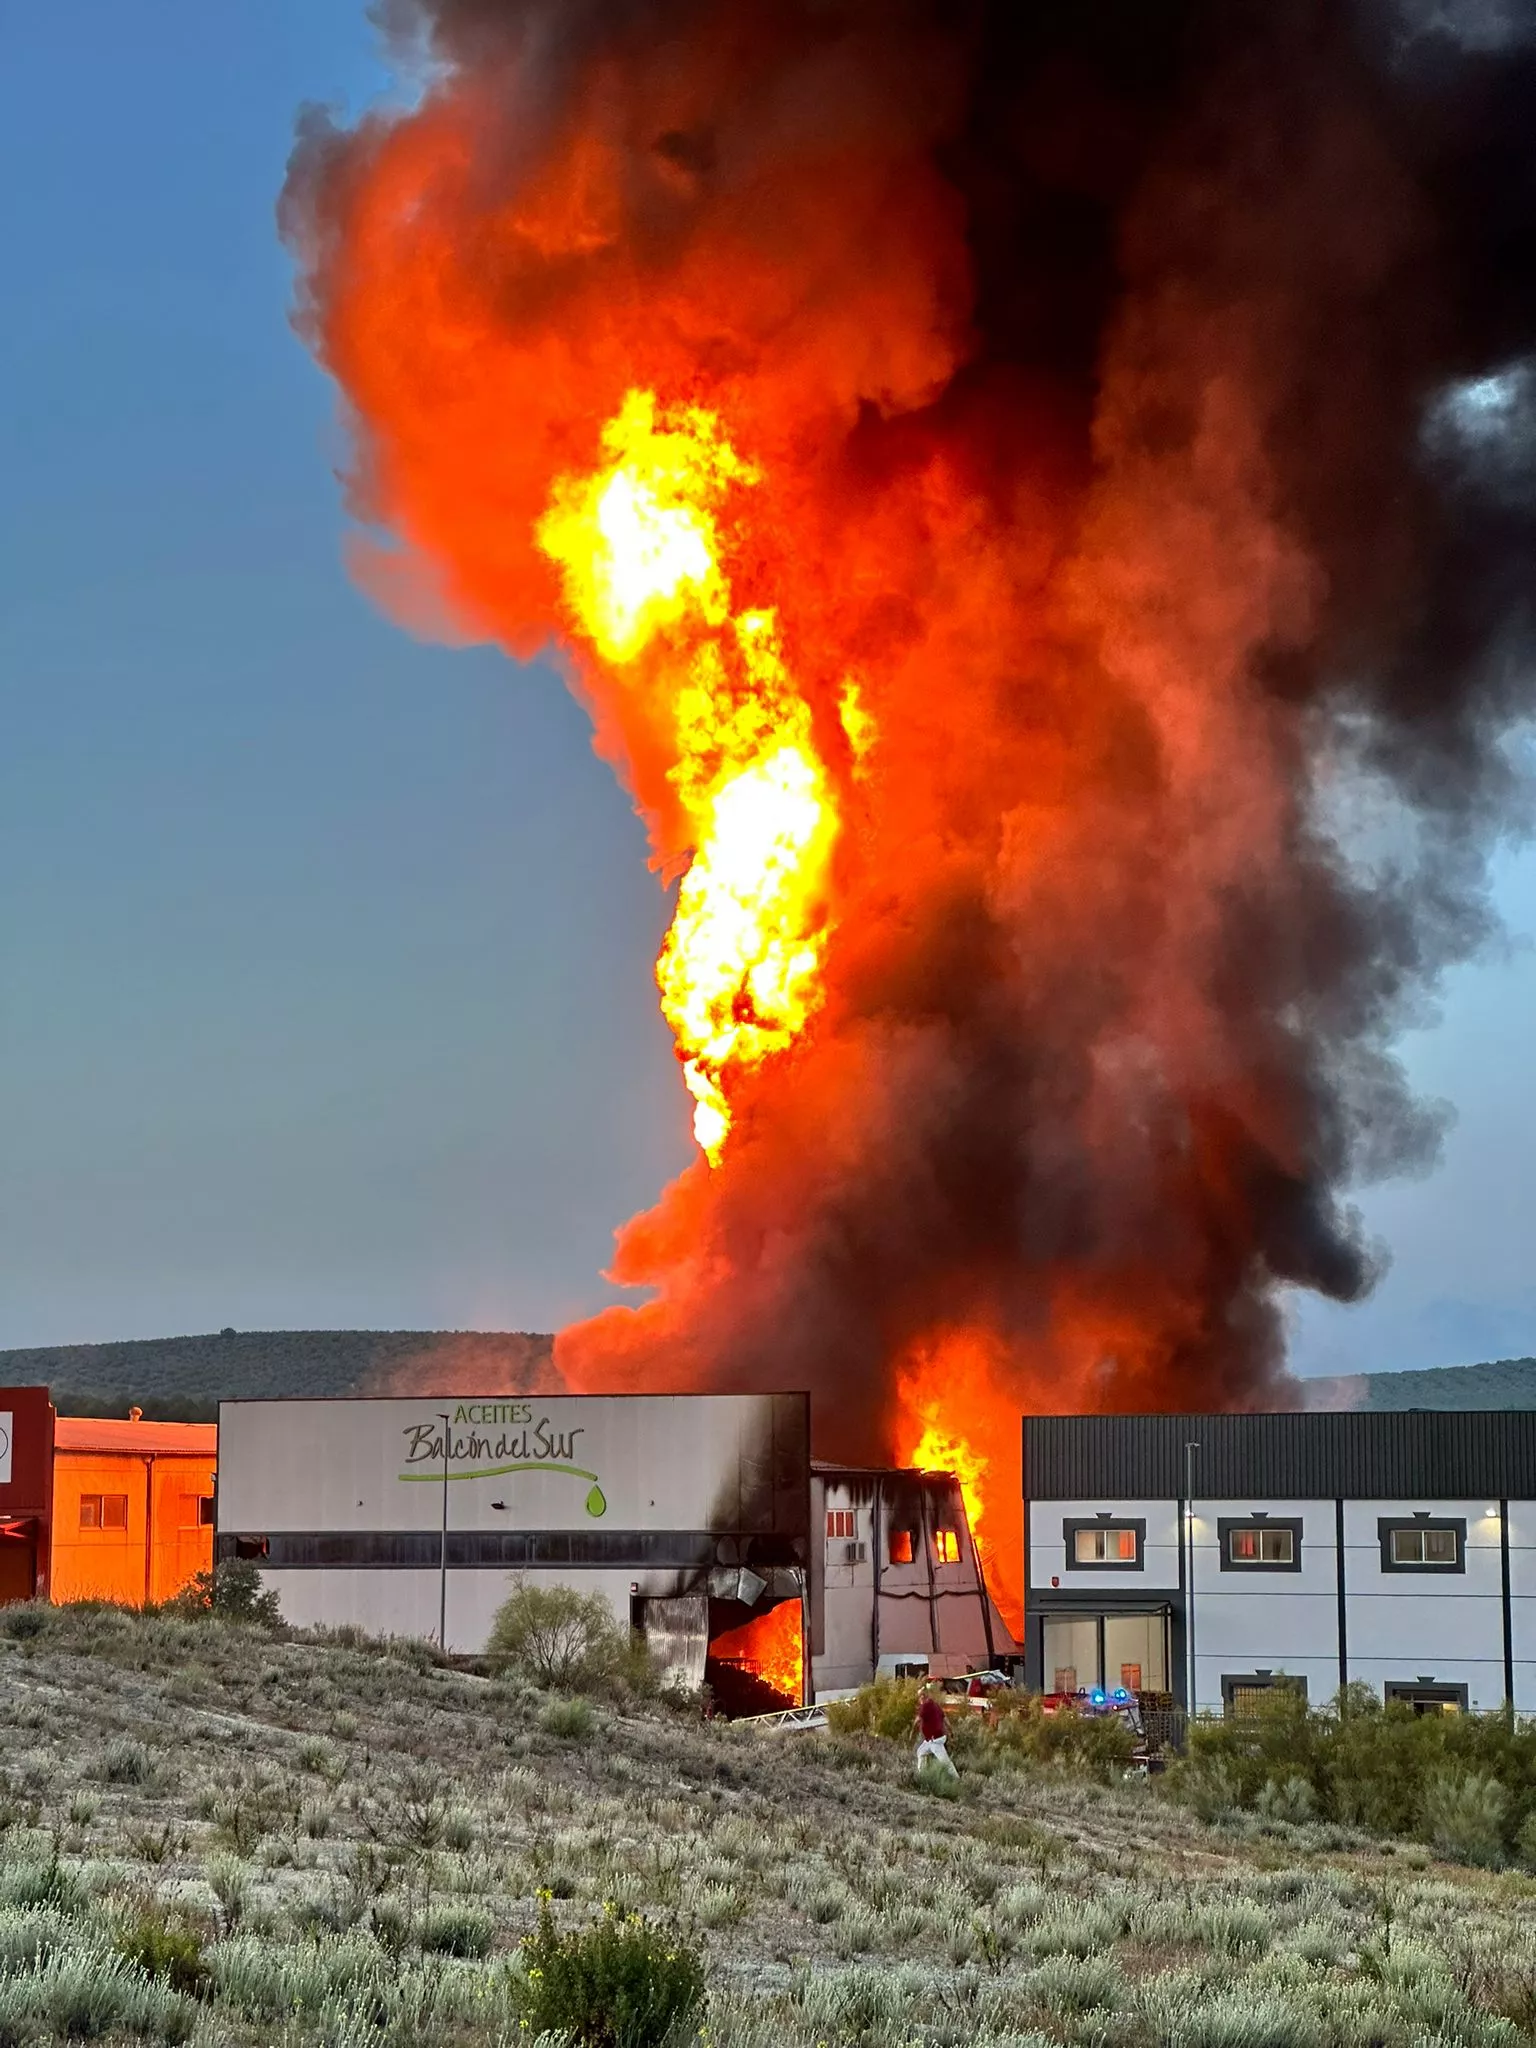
676,1632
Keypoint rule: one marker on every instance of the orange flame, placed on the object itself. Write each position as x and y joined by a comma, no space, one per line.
957,1374
771,1647
639,546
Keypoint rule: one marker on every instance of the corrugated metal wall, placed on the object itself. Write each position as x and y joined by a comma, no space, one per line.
1365,1456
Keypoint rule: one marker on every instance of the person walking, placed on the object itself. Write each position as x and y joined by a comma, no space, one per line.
931,1738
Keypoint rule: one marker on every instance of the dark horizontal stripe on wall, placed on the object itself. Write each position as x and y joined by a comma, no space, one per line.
506,1549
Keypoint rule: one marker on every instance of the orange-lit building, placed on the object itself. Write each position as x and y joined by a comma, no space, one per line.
132,1507
101,1509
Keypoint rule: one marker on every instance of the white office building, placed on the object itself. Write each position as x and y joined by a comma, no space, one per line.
1213,1556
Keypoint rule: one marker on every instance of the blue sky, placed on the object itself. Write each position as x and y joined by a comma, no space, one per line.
325,956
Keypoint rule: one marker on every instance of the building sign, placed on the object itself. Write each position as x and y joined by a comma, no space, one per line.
492,1440
510,1462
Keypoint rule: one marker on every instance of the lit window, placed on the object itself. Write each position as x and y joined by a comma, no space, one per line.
103,1510
901,1551
839,1524
1104,1545
1418,1546
946,1545
1261,1546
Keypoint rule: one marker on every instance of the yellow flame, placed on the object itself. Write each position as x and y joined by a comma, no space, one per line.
939,1449
639,548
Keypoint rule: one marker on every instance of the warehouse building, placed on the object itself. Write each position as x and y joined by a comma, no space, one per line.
900,1588
698,1517
412,1517
1217,1556
101,1508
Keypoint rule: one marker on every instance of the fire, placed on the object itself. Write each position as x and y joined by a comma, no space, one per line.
955,1397
639,546
771,1647
919,436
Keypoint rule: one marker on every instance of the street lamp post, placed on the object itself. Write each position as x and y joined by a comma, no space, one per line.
442,1555
1189,1608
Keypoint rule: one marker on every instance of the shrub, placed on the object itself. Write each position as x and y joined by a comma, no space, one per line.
126,1763
1464,1817
1289,1799
232,1591
1098,1745
571,1719
26,1619
621,1984
562,1640
887,1707
456,1930
164,1948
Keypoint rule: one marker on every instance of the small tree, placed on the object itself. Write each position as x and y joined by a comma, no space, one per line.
559,1639
233,1591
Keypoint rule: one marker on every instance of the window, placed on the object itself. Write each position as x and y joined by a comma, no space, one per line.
1422,1544
1425,1697
1103,1543
946,1545
103,1510
197,1511
901,1551
1252,1692
1259,1543
839,1525
253,1546
1105,1546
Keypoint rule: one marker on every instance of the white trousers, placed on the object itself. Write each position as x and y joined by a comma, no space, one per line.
937,1746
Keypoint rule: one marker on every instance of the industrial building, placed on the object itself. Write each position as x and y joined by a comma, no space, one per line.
101,1508
899,1587
411,1517
698,1517
1217,1556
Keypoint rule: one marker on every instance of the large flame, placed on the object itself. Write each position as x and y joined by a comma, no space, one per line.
1001,481
638,543
959,1414
770,1647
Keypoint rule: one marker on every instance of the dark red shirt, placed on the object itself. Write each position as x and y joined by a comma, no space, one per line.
930,1718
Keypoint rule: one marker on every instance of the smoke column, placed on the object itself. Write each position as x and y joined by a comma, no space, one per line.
1129,402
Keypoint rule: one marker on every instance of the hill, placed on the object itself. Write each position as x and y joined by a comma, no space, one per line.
212,1836
188,1376
1502,1383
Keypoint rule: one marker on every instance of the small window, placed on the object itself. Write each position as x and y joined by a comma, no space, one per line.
1423,1544
1258,1544
1251,1693
946,1545
205,1511
1106,1546
197,1511
901,1551
839,1524
1261,1546
1103,1545
1425,1697
103,1510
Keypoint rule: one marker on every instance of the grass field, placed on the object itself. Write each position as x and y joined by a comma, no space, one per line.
210,1835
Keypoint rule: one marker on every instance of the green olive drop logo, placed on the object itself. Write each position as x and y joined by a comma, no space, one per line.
524,1444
